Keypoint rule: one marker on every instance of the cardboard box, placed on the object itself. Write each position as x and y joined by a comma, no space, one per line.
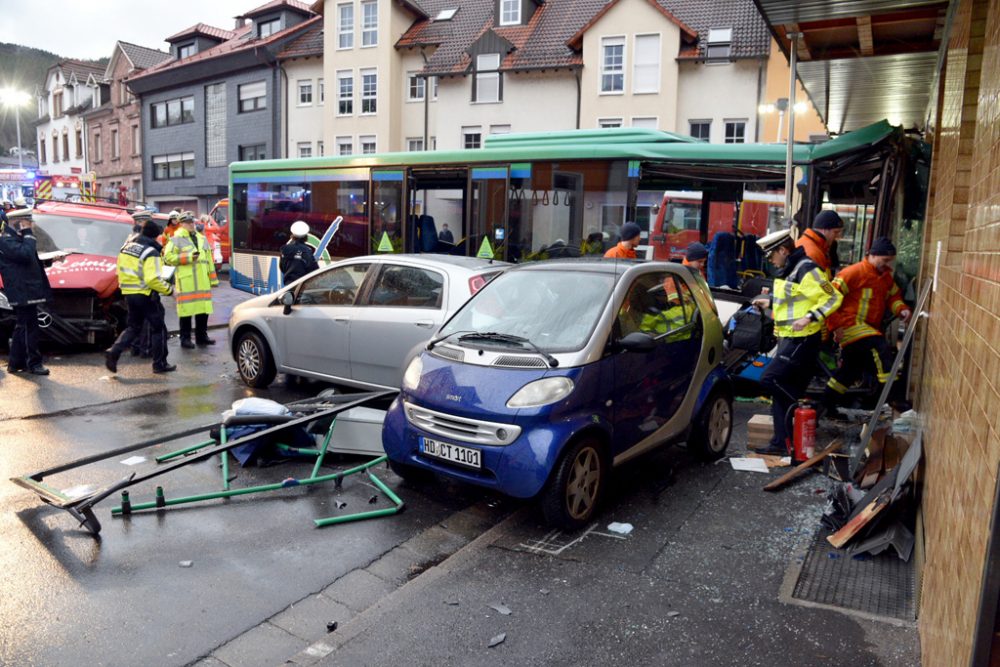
760,430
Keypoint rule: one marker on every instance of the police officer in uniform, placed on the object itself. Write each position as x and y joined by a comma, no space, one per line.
139,277
297,258
26,286
802,298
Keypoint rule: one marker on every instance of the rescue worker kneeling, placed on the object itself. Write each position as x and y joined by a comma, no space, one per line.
802,299
140,281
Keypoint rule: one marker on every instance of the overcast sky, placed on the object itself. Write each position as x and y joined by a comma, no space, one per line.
88,29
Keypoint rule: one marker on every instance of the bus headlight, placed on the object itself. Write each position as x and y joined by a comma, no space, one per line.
411,378
541,392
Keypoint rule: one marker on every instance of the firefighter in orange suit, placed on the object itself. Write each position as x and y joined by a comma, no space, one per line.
629,240
173,224
869,289
818,241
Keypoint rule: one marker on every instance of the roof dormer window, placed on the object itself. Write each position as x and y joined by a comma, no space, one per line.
186,50
719,43
268,28
446,14
510,12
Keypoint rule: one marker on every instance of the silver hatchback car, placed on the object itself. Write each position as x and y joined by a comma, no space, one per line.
353,322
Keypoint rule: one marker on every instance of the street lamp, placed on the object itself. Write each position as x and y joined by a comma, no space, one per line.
11,97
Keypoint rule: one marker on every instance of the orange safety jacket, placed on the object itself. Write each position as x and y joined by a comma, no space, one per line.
817,249
866,292
168,231
620,252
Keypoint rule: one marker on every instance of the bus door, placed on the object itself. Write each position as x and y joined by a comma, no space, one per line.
437,211
388,231
488,219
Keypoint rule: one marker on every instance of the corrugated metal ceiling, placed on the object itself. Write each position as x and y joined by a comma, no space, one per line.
785,12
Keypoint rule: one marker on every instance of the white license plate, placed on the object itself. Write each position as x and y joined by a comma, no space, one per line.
464,456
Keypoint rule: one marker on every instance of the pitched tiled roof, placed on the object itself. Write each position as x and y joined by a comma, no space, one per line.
548,39
142,57
309,43
81,68
203,29
295,5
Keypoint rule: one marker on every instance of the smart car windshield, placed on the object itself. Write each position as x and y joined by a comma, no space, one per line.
554,310
94,237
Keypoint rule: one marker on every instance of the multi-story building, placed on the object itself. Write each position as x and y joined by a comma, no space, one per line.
304,94
71,88
217,100
114,129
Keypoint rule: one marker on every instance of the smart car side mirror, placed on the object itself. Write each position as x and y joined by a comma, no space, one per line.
637,341
287,300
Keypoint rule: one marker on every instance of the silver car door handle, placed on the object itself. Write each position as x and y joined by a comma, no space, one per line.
342,318
427,324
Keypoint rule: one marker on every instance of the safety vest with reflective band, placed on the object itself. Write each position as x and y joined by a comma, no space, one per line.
802,291
866,295
139,269
816,248
671,319
194,278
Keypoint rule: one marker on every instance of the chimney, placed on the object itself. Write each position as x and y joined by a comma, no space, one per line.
240,22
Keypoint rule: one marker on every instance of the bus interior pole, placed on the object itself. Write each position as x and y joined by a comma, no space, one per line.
793,47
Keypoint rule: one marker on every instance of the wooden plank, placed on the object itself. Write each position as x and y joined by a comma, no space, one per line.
851,528
802,467
869,473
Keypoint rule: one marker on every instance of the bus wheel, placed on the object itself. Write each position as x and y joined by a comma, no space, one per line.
254,361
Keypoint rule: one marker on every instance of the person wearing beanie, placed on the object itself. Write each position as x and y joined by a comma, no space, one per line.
141,285
696,257
819,241
626,246
869,289
802,299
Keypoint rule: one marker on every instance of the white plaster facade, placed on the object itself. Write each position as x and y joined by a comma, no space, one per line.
306,103
720,93
61,139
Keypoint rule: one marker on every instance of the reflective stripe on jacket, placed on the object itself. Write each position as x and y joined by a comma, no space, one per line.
139,269
867,293
194,278
803,290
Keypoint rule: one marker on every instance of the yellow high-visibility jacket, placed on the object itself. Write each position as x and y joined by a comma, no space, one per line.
139,269
803,289
194,278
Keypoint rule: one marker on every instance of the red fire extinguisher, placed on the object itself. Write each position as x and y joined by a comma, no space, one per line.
804,431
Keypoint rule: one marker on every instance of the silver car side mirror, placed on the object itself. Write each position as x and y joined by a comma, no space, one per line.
287,300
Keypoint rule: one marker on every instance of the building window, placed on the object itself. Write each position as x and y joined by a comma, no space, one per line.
345,145
345,26
98,151
172,112
367,144
322,90
609,122
215,125
305,92
719,43
320,148
700,129
369,23
472,137
613,65
185,50
65,145
645,122
415,144
646,68
171,167
268,28
57,107
434,88
305,149
41,151
136,142
115,145
345,93
252,96
252,152
79,144
510,12
369,91
499,129
736,131
487,84
124,94
416,87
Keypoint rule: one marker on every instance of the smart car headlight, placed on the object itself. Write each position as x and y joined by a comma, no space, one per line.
541,392
411,378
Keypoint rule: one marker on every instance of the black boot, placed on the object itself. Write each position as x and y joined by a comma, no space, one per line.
187,344
111,361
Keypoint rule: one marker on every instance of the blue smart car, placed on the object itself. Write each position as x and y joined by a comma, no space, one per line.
557,371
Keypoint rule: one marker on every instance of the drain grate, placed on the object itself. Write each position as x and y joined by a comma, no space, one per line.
882,585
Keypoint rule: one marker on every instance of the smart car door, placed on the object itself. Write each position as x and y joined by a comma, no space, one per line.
316,334
403,308
650,384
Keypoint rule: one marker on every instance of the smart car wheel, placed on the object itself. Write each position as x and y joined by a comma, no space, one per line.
576,487
710,435
253,359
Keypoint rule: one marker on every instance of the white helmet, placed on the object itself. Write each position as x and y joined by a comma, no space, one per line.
300,229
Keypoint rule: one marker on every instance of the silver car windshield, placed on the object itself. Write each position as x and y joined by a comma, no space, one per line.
556,311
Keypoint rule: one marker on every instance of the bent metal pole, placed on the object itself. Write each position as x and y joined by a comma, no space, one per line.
793,47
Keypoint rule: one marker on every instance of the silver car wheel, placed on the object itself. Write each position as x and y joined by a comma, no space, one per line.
720,422
583,483
249,359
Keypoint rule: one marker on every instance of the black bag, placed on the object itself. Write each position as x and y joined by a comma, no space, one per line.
752,331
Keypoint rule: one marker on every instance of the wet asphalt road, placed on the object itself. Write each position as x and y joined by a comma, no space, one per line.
125,599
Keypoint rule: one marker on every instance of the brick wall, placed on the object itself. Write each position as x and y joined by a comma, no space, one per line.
959,386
